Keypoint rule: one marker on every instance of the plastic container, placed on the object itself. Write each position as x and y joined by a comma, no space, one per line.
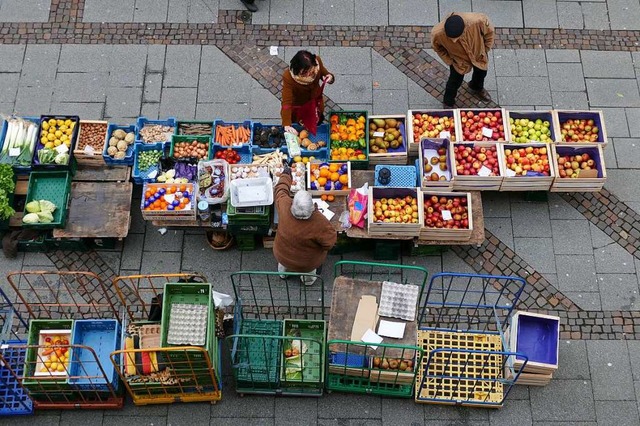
251,192
186,138
17,169
71,164
213,185
247,124
14,400
143,121
401,176
258,356
149,175
257,127
52,186
355,164
246,156
187,294
128,157
32,361
537,337
182,122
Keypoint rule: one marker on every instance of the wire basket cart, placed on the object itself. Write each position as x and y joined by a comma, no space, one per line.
279,337
461,325
14,399
154,373
80,376
382,369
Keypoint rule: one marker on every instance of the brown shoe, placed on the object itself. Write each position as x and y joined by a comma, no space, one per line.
481,94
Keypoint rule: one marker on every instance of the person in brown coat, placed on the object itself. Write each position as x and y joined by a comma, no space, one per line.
304,235
301,92
463,41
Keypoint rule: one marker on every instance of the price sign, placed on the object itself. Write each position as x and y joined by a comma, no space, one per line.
487,132
484,171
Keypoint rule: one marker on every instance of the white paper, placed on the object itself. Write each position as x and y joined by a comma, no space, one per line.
273,50
445,134
326,212
510,172
14,152
169,198
62,149
487,132
88,149
378,134
320,203
391,329
371,337
446,215
484,171
153,174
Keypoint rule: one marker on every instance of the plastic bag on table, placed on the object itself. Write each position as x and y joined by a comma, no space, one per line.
357,203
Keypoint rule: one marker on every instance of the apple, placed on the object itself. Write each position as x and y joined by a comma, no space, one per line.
524,130
527,159
457,206
472,128
569,166
471,158
580,131
430,126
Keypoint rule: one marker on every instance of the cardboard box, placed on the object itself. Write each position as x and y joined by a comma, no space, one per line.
366,317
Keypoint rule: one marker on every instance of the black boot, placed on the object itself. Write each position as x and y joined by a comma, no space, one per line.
250,5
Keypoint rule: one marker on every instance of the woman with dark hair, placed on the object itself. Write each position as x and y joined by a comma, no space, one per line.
301,92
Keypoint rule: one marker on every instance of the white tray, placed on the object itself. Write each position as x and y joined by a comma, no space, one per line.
251,192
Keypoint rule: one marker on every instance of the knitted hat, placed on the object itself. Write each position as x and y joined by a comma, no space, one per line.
454,26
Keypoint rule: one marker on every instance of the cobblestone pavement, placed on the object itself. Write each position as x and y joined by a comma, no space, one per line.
579,253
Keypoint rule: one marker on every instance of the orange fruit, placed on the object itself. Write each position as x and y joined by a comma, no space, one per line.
322,180
324,172
335,176
330,198
333,168
323,197
344,179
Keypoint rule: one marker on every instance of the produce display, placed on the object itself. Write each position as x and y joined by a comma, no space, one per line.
397,364
384,136
272,160
474,160
19,142
191,149
303,160
328,176
232,135
482,126
570,166
39,212
212,180
329,197
54,354
148,159
528,161
55,141
152,133
396,210
119,142
7,186
170,177
298,171
249,171
269,137
446,212
168,197
579,131
435,165
433,126
524,130
307,144
91,137
229,155
348,137
195,129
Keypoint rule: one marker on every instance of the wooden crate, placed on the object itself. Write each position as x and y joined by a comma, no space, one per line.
425,184
561,116
86,156
580,184
382,229
398,156
169,215
343,191
528,379
532,115
511,182
551,337
480,183
460,124
444,234
413,144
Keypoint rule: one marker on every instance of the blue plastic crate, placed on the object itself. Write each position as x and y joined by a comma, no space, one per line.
103,336
349,360
246,123
128,158
321,154
401,176
19,170
14,399
143,121
246,156
257,127
139,177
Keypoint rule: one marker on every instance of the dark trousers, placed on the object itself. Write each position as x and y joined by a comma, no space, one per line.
455,81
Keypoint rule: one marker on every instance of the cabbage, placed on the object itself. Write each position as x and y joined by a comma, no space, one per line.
47,206
31,218
32,207
45,217
62,159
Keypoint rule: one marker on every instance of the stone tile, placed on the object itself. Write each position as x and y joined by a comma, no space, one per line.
84,58
419,98
501,228
24,11
132,252
603,64
150,110
108,11
621,413
154,262
496,204
634,357
619,292
562,55
386,76
37,259
404,13
127,66
570,15
81,87
613,259
624,184
536,252
518,393
285,12
576,273
611,370
530,219
261,17
196,248
598,237
433,265
250,406
326,12
505,63
569,100
585,301
334,405
15,55
566,77
550,402
350,89
595,16
176,73
178,102
402,412
523,90
624,14
295,411
199,12
560,209
134,421
240,421
610,157
390,101
532,62
571,237
123,101
155,58
264,103
633,120
32,101
449,6
152,87
155,241
151,11
454,414
609,92
258,260
349,60
197,413
451,262
616,120
503,13
225,88
540,14
36,70
44,419
513,412
628,152
90,110
229,111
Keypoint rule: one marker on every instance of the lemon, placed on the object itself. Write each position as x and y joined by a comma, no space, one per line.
297,159
45,125
44,140
58,133
71,124
64,138
69,132
54,366
305,160
61,368
57,142
67,143
52,122
51,137
68,122
63,127
60,122
49,145
47,364
53,358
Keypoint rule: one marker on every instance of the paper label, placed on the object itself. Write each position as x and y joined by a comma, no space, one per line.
484,171
487,132
62,149
14,152
273,50
153,174
510,172
378,134
169,198
392,329
88,149
371,337
445,134
446,215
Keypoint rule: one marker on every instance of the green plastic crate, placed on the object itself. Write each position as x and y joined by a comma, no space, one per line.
67,244
387,250
313,361
46,383
246,242
179,122
355,164
37,245
235,217
258,357
183,138
54,187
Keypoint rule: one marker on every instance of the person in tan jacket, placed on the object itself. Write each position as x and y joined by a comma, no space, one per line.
463,41
304,235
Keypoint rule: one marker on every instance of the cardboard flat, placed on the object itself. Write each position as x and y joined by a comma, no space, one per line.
391,329
592,173
366,317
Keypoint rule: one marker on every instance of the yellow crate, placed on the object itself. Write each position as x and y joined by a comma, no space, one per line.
470,374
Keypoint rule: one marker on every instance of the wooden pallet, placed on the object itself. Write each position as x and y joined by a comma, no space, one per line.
462,378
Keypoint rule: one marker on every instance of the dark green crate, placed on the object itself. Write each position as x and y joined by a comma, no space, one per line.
67,244
346,245
258,360
387,250
313,361
234,217
246,242
190,294
37,245
179,122
248,229
427,250
184,138
45,383
52,186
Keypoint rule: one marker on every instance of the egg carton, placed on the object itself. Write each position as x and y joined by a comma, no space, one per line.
399,300
187,324
298,172
248,171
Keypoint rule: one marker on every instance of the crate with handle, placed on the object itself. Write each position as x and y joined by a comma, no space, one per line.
91,136
383,130
434,124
